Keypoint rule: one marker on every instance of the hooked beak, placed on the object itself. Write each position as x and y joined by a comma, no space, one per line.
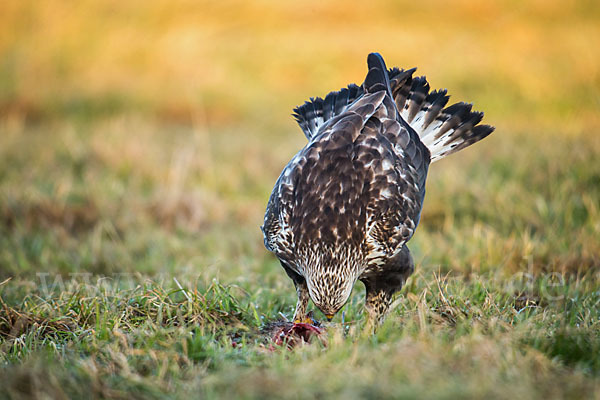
329,316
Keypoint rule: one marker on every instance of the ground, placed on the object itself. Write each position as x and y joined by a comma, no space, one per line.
138,150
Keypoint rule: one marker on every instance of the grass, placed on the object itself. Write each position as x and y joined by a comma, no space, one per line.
139,144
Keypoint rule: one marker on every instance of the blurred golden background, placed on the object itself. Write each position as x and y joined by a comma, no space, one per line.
533,63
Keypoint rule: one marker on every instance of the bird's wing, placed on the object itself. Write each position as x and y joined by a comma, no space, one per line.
395,210
304,183
400,163
278,236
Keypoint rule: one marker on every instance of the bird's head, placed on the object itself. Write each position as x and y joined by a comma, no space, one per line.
330,271
329,292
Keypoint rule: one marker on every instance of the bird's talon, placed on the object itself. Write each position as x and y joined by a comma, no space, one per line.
306,320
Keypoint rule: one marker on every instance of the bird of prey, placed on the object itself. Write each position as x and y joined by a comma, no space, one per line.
347,203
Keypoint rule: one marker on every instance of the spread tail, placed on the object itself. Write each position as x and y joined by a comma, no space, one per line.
442,130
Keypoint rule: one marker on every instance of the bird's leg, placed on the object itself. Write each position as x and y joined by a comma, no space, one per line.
381,284
300,315
377,305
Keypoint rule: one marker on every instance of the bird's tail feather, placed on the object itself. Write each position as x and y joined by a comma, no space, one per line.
315,112
442,130
377,78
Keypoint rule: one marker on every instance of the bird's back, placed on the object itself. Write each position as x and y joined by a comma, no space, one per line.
360,181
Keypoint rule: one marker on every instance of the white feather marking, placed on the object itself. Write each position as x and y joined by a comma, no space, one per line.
386,164
399,151
386,193
405,197
430,131
417,122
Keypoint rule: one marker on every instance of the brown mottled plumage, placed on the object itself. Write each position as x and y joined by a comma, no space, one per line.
344,207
